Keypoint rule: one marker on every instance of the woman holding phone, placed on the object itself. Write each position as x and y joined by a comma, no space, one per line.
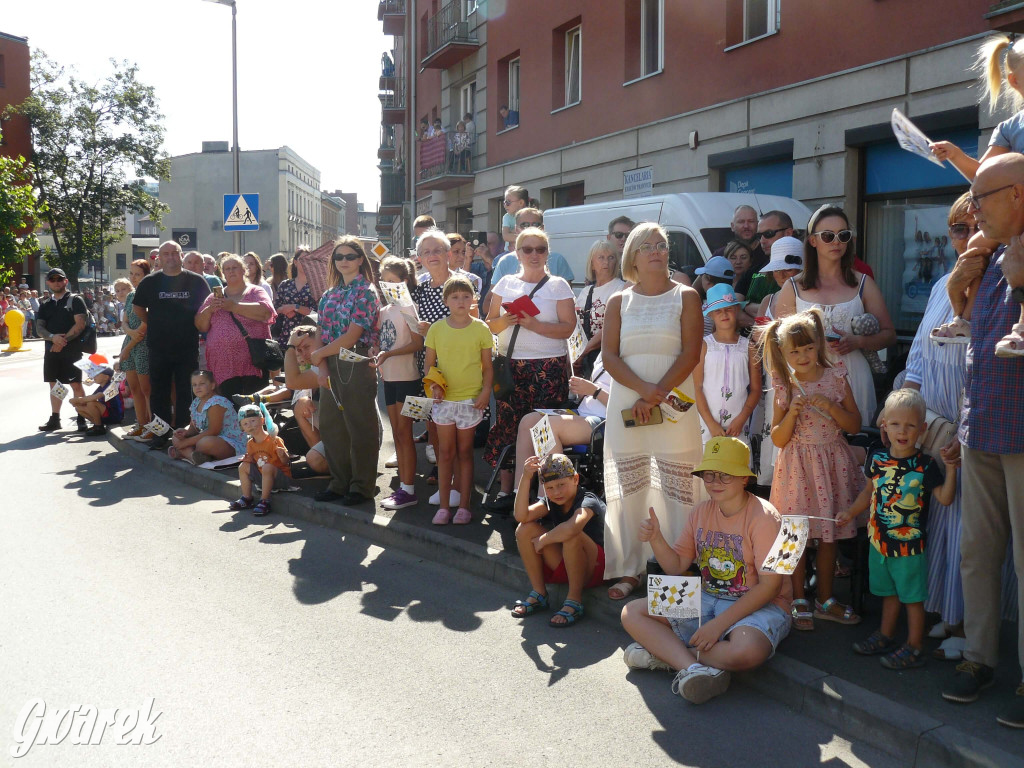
650,345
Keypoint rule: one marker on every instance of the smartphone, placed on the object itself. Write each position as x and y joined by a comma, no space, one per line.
832,336
218,291
629,421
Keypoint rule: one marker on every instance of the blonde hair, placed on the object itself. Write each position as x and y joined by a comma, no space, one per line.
992,73
602,246
960,209
532,232
907,398
240,260
120,281
636,238
799,330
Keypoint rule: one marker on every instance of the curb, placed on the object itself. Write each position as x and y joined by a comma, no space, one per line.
916,740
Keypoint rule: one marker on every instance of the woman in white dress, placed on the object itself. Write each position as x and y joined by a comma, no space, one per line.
651,344
830,283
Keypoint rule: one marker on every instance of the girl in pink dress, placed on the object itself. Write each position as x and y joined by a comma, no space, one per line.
815,474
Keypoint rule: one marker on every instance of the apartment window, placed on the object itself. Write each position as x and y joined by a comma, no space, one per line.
513,85
122,261
467,100
573,54
748,20
3,79
652,25
508,92
471,6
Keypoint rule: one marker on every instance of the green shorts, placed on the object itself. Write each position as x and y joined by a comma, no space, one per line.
905,577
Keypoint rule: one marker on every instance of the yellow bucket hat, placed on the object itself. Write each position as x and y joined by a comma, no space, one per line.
726,454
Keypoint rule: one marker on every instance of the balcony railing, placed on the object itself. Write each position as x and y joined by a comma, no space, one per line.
444,162
392,13
392,193
392,102
448,37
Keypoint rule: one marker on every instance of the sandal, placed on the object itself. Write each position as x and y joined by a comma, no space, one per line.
956,331
570,618
824,611
874,644
242,502
904,657
262,509
524,608
624,587
1012,344
173,452
950,649
802,620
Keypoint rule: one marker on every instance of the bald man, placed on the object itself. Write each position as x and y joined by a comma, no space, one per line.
992,435
194,262
167,301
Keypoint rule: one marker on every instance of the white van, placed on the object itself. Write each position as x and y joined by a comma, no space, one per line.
697,223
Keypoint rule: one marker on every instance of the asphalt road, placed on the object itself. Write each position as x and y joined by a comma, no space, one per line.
274,642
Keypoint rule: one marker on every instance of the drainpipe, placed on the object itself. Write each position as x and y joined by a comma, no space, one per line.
412,160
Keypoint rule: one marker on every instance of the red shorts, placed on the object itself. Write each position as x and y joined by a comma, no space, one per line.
559,576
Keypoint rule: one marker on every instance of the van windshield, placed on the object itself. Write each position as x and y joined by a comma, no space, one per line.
683,253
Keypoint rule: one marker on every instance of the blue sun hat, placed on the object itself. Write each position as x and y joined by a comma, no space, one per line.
719,297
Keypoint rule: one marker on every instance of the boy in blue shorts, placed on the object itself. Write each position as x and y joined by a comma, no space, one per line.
902,478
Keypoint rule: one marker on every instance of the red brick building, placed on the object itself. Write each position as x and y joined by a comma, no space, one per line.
14,89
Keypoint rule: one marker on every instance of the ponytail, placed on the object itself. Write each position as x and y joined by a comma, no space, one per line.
772,355
989,63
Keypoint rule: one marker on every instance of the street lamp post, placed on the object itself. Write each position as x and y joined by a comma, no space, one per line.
234,105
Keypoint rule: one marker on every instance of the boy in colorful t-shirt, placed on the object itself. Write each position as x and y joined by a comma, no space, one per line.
901,481
266,462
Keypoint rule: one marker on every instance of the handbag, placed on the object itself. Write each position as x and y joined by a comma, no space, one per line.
584,365
939,434
504,385
266,354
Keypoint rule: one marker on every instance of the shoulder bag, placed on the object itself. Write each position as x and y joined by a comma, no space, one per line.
266,354
504,384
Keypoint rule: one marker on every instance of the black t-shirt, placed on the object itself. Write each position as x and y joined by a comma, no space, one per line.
172,304
59,316
585,500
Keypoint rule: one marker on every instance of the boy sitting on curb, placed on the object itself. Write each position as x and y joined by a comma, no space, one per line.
266,462
560,538
97,409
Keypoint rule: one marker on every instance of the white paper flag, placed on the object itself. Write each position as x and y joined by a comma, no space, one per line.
543,438
349,356
788,546
397,293
418,408
577,342
910,137
674,597
111,391
158,426
59,391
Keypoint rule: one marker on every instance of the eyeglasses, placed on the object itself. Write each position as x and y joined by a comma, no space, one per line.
717,477
309,332
828,236
528,224
962,230
346,256
768,234
619,235
647,248
529,250
975,200
55,279
434,252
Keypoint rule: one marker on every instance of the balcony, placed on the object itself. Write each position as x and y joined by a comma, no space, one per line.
448,38
392,193
386,150
440,167
392,103
385,224
392,13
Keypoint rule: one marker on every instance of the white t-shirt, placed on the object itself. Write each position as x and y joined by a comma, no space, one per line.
530,345
590,405
600,302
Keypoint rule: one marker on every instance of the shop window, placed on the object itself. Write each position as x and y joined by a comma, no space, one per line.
748,20
644,28
571,194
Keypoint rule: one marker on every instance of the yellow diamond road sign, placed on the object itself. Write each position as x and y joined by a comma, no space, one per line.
379,250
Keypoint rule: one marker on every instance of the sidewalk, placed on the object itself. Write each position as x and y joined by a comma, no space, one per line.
814,673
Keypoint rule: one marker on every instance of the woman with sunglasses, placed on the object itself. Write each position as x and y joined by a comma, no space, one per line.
830,282
349,425
539,361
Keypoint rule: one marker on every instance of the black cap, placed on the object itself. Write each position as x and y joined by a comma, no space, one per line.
55,272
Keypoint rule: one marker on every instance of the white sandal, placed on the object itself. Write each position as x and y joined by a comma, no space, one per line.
956,331
1012,344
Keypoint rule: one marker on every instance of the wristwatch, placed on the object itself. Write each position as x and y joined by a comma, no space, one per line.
1017,294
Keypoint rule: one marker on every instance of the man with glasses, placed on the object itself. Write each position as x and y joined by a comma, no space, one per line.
991,432
618,230
509,263
60,322
167,301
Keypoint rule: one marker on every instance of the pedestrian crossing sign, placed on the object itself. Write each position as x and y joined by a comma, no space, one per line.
241,213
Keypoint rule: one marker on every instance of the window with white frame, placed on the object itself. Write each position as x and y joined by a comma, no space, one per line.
471,6
573,61
652,36
467,100
513,85
759,18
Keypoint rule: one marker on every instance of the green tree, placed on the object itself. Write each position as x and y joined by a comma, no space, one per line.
93,145
18,211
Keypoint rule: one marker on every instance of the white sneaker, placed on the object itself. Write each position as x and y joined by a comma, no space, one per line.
700,683
638,657
392,461
431,456
453,499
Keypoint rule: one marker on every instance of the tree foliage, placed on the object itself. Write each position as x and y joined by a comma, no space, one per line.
18,211
94,145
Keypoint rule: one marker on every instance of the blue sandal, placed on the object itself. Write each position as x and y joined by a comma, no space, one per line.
524,608
570,618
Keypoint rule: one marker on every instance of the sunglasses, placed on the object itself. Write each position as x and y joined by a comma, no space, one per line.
346,256
828,236
306,333
619,235
769,233
55,279
962,230
529,250
528,224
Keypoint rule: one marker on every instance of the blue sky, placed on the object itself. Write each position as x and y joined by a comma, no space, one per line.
308,71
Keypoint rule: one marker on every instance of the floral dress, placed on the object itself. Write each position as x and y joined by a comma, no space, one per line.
138,359
230,431
287,293
726,383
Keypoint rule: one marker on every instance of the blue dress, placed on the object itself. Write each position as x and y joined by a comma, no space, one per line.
230,431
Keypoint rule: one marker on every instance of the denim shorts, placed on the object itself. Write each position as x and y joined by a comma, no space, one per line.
461,413
770,620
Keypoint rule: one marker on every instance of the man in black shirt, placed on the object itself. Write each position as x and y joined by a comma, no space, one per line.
167,301
60,322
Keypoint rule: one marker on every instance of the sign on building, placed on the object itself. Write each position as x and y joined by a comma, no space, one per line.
186,238
638,183
241,213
